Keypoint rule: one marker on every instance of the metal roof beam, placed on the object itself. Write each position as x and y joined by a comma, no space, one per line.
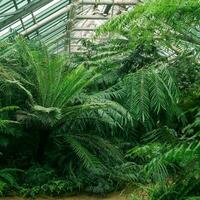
51,29
93,17
106,2
23,11
83,29
46,20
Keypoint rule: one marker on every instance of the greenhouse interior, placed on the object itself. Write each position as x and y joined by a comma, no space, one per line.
100,99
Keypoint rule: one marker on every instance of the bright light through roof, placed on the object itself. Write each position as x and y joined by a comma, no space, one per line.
7,30
18,23
46,6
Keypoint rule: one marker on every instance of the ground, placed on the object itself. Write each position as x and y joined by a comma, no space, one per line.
114,196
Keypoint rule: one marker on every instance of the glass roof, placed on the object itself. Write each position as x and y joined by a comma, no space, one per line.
49,21
19,15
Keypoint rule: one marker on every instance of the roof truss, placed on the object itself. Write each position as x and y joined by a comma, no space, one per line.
30,7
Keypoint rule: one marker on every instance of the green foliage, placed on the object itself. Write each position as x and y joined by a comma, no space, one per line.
126,111
7,125
57,98
57,108
8,180
99,185
51,188
4,123
150,91
173,166
38,176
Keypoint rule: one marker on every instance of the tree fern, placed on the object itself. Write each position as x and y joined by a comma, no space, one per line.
58,95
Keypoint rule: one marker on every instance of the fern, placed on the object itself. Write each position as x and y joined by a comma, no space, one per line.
6,124
147,91
164,151
89,160
7,179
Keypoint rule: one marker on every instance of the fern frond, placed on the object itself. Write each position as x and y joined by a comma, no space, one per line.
138,97
88,159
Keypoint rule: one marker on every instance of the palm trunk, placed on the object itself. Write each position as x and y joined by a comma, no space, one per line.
43,140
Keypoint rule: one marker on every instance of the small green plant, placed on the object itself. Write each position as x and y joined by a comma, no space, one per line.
8,180
37,176
51,188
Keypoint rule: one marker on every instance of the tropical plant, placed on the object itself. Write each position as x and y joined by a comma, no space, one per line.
57,99
148,46
7,180
7,176
3,122
171,161
6,124
136,89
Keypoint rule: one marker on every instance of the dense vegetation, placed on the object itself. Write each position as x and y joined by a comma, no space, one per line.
125,113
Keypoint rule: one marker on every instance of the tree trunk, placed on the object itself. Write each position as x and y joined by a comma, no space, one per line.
43,140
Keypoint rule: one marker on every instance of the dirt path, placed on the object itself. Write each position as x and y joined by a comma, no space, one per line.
114,196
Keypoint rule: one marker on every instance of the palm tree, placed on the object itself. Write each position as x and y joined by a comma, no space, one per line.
57,95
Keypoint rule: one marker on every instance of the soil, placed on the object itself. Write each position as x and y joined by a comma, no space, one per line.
114,196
